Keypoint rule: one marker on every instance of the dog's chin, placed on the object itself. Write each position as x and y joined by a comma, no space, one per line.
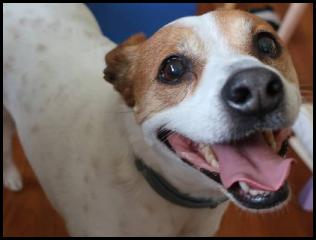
244,195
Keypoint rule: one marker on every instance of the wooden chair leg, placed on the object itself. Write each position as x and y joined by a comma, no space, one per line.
291,19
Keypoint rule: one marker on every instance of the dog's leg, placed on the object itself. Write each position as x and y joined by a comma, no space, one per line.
11,176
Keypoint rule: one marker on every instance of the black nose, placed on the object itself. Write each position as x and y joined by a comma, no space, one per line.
253,91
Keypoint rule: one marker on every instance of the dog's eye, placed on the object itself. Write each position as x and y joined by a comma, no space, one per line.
172,69
267,45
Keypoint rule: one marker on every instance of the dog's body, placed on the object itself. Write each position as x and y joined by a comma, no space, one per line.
71,125
80,137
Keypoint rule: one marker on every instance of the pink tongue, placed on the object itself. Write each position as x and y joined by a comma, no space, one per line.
250,160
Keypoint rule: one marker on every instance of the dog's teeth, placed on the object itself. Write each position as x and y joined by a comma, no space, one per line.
208,155
253,192
269,137
244,186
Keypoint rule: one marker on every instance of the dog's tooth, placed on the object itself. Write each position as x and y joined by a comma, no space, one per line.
269,137
244,186
208,155
253,192
211,160
203,147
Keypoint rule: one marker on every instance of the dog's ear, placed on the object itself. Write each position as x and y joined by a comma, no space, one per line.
119,67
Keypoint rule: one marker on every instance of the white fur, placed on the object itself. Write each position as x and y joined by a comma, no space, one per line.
72,126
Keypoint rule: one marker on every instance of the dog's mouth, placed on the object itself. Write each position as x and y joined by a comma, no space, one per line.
252,170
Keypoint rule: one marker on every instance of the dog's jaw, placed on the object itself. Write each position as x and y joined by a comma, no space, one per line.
147,147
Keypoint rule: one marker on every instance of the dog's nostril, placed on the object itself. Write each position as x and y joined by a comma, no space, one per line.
274,87
240,95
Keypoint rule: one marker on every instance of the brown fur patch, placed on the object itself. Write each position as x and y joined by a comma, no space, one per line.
152,96
133,69
239,28
119,62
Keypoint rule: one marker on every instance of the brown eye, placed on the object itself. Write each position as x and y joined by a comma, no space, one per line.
267,45
172,69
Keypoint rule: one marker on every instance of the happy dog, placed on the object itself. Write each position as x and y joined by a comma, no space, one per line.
197,114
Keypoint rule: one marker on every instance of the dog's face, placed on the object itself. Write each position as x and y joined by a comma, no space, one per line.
219,93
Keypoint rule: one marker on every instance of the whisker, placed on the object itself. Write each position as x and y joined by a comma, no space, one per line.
165,139
165,136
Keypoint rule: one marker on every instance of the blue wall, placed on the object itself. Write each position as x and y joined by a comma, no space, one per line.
118,21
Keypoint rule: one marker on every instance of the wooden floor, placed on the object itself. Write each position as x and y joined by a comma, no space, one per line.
28,213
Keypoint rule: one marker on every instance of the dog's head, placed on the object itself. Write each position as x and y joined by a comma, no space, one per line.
216,92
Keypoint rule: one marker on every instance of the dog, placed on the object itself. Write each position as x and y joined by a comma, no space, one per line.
196,114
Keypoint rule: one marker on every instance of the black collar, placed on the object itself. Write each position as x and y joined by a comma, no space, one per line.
170,193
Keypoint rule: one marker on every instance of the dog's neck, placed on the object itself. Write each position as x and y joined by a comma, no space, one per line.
182,177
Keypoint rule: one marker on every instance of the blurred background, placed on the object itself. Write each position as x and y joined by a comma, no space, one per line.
119,21
29,213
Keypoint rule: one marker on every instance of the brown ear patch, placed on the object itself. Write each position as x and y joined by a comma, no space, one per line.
118,70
